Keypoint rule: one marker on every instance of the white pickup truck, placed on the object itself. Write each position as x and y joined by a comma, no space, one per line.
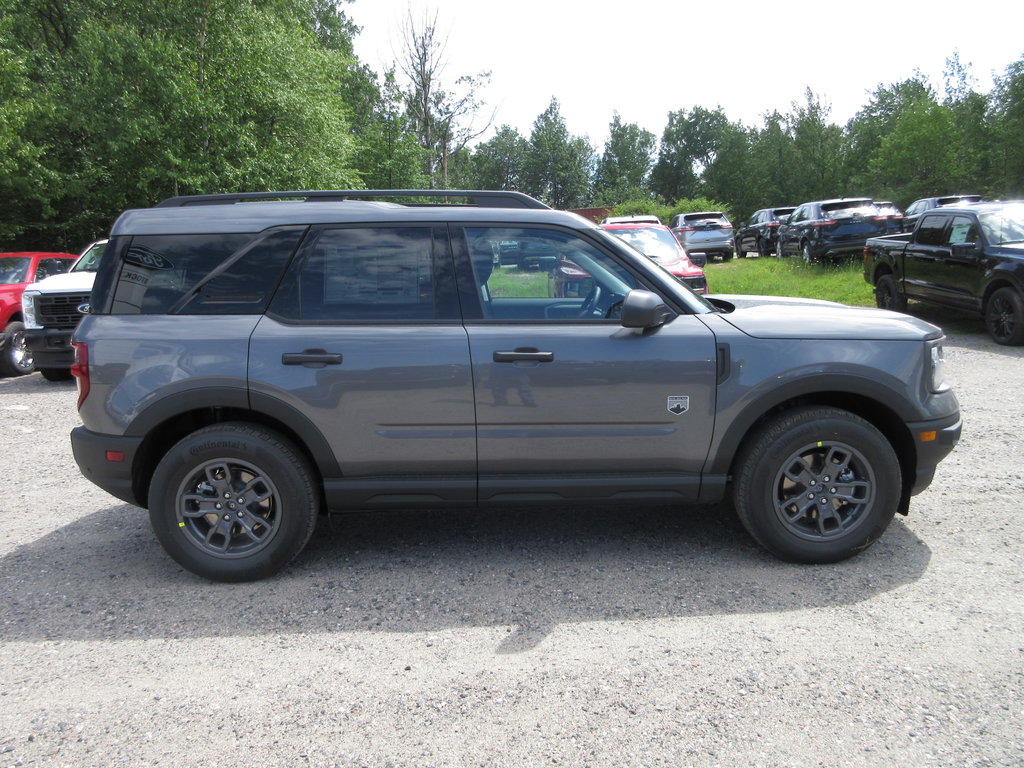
52,308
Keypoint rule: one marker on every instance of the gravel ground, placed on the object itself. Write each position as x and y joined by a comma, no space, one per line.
519,638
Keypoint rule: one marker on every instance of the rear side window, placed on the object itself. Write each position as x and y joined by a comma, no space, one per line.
371,274
210,274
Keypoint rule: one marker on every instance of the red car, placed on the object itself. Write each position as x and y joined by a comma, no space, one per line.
657,242
18,270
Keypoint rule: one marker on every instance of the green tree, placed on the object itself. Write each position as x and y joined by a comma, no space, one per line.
773,158
624,168
498,162
878,119
134,101
557,165
818,146
388,155
1007,114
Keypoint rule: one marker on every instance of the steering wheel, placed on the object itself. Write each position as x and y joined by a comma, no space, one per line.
590,303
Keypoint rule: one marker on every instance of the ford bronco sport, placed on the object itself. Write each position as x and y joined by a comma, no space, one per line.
250,360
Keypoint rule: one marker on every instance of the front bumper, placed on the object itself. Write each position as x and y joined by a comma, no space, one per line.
934,440
50,348
107,461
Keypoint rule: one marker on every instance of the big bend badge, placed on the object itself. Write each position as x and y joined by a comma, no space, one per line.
678,404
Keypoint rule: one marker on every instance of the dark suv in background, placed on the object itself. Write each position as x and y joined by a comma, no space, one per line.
251,360
916,208
758,233
830,228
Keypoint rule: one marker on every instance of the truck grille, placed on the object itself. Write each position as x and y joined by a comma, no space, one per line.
60,310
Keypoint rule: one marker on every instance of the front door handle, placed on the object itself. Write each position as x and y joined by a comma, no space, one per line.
311,358
524,354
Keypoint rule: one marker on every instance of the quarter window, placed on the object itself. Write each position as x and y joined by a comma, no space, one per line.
212,274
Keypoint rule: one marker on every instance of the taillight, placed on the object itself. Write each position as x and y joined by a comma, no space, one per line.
823,223
80,369
684,229
772,224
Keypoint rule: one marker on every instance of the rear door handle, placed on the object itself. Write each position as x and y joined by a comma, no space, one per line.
311,358
524,354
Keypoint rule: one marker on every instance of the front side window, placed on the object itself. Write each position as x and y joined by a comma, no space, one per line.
962,230
564,278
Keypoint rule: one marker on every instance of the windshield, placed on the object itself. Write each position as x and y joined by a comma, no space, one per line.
656,243
1004,226
13,270
90,260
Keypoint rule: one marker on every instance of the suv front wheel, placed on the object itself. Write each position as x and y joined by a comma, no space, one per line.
233,502
817,485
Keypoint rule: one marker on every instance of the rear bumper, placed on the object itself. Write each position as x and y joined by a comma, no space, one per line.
97,458
50,348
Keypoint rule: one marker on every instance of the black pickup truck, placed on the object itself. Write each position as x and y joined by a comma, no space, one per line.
969,257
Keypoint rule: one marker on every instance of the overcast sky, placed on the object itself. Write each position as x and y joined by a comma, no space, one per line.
646,59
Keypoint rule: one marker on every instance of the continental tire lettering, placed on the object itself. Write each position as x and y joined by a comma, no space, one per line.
217,445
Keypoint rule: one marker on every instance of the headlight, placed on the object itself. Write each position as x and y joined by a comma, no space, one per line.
937,367
28,308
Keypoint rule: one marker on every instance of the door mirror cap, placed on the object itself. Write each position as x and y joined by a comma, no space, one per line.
643,309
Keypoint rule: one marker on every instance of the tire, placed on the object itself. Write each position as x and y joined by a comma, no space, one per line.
779,253
1004,317
16,359
740,253
796,508
56,374
197,505
805,251
888,296
762,250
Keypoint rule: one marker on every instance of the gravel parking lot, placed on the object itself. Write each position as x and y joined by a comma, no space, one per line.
519,638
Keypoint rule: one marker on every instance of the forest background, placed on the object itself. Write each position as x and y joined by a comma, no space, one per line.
107,105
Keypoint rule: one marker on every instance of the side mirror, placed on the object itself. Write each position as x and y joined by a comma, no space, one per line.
547,263
964,250
643,309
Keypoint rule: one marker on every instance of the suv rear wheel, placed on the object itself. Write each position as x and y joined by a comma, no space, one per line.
817,485
233,502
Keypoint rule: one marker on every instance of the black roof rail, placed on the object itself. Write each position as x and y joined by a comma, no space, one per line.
480,198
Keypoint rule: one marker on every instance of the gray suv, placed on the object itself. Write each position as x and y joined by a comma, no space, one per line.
253,360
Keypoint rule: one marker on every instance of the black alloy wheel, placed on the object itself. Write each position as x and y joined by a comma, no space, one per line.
817,485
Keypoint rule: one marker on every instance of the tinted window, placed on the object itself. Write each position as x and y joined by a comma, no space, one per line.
202,274
371,274
930,230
